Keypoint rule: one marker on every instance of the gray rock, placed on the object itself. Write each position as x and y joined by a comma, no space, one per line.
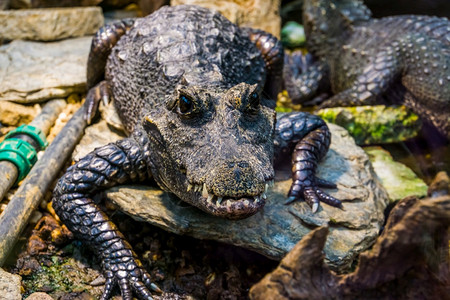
261,14
35,71
398,180
9,285
96,136
49,24
20,4
39,296
277,228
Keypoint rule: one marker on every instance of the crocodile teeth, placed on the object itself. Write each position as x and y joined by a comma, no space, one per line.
229,203
266,187
189,187
204,191
219,200
210,198
257,199
198,187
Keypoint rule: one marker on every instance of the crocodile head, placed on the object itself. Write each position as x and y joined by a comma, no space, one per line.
213,147
327,22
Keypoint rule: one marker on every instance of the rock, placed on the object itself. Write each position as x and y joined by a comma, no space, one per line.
53,70
9,285
96,136
293,35
12,114
39,296
409,261
276,229
376,124
260,14
111,116
52,3
49,24
398,180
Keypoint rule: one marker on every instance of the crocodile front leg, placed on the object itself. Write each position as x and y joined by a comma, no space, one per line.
106,166
309,138
102,43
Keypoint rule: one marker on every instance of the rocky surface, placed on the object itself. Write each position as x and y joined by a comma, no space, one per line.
12,114
260,14
39,296
275,230
374,124
9,286
51,3
96,136
49,24
36,71
410,260
398,180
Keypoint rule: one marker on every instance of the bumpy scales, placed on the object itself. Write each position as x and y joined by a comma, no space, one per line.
399,59
195,92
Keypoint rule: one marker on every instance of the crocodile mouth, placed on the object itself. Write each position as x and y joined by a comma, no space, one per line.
227,206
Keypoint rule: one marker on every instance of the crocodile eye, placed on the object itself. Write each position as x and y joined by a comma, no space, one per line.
254,100
184,104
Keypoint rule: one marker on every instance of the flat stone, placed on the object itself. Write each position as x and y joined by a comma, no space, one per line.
53,70
260,14
49,24
12,114
398,180
278,227
51,3
39,296
377,124
9,285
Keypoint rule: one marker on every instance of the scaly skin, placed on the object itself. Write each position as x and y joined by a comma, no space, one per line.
191,89
399,59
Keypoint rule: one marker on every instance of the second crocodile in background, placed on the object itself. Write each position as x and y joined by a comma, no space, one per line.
196,93
399,59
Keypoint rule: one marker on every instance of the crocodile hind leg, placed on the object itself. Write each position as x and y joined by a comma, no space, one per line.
307,137
102,43
273,54
375,79
106,166
304,78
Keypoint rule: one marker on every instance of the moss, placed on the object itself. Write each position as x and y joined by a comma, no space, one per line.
374,124
61,275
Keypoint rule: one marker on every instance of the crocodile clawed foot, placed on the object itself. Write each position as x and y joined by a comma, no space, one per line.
312,194
128,272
